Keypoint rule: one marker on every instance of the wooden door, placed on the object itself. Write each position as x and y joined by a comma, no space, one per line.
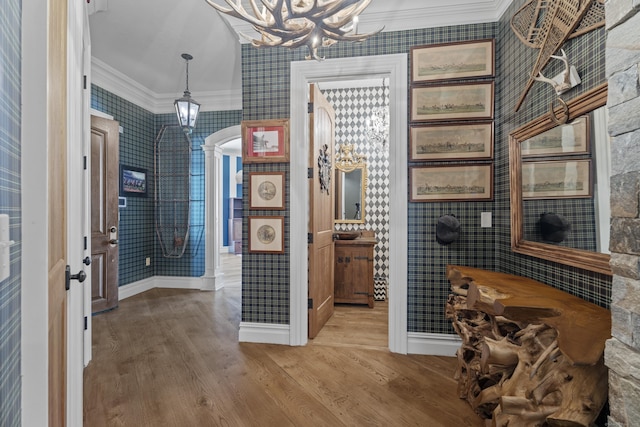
321,221
57,203
104,214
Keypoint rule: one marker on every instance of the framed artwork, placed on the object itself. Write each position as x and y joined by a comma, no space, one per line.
556,179
265,141
266,234
266,190
442,183
567,139
465,101
460,60
133,181
469,141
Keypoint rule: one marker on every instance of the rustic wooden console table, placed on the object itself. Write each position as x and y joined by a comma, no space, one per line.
531,354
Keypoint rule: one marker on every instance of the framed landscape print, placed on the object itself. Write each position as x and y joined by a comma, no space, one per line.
556,179
265,141
460,60
266,234
451,183
453,141
570,138
266,190
465,101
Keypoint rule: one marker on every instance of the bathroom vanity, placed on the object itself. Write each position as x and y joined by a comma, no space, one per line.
354,270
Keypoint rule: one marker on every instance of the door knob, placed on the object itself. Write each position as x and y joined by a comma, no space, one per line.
80,277
86,261
113,241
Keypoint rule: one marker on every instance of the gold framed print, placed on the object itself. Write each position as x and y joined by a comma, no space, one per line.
458,60
444,183
464,101
451,141
265,141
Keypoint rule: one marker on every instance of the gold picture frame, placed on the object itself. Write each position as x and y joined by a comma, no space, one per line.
266,234
463,101
444,183
451,141
556,179
457,60
265,141
266,190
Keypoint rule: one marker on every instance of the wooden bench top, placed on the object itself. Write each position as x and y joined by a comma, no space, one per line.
582,327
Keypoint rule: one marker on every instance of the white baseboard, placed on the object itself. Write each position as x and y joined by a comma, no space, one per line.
173,282
178,282
136,288
265,333
433,344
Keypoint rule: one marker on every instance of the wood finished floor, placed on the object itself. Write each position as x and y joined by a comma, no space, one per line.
171,357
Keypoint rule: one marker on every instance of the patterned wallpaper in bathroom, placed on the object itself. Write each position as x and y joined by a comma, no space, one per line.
353,106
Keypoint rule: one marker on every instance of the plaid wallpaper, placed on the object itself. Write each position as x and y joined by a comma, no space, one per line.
136,225
515,61
192,262
266,95
10,202
137,221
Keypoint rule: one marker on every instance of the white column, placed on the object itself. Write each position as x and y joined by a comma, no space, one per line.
212,278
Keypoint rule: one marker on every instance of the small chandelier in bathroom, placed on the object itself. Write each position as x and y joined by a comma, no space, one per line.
186,107
377,127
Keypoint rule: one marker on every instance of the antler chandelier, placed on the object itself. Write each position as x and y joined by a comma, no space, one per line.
295,23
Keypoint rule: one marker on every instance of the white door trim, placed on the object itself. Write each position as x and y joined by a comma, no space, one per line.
211,280
302,73
34,304
77,207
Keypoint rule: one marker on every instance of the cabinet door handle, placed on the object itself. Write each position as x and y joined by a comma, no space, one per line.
362,257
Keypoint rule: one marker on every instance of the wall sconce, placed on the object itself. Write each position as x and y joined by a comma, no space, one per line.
186,107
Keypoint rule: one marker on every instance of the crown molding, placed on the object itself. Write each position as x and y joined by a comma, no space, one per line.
112,80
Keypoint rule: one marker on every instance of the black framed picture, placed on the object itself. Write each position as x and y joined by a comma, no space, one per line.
133,181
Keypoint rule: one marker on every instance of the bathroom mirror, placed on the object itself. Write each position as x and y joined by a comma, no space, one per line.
563,169
351,186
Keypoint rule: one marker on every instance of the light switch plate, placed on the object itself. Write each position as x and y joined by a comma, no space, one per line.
5,245
485,219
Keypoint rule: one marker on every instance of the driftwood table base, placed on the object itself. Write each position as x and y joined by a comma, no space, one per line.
531,355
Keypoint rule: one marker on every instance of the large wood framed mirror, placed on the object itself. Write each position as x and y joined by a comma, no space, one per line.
351,186
540,171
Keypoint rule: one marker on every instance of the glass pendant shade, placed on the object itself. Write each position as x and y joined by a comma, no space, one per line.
187,108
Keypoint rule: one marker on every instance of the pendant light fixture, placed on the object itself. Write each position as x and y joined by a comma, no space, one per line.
295,23
186,107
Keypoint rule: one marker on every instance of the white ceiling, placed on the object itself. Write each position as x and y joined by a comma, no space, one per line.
136,45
